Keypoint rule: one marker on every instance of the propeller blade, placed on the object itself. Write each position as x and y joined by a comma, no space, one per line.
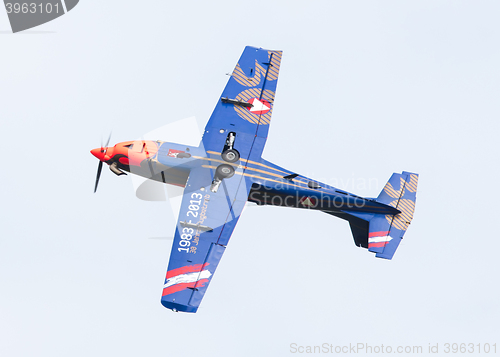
99,169
109,138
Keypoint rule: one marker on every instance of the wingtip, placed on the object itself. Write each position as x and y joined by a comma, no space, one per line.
178,307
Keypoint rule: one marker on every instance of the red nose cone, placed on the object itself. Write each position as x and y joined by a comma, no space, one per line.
98,153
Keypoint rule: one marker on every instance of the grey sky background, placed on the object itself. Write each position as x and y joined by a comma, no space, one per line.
366,89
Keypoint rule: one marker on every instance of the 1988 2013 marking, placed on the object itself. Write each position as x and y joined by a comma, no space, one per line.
31,8
187,233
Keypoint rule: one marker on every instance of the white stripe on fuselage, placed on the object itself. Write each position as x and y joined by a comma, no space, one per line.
187,278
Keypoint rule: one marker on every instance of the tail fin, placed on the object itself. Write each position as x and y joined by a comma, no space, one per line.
381,234
385,232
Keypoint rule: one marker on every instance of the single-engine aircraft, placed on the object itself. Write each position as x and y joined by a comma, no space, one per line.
226,170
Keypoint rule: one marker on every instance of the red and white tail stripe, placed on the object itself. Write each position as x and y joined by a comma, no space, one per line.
378,239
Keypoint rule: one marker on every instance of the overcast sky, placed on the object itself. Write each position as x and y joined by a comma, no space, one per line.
366,88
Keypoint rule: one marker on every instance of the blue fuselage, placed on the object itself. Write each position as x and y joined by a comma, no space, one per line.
271,184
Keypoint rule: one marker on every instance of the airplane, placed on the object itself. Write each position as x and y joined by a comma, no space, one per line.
226,170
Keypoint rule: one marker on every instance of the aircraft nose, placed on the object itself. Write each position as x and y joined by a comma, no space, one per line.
98,153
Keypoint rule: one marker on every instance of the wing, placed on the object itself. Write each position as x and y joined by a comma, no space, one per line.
246,104
206,222
209,213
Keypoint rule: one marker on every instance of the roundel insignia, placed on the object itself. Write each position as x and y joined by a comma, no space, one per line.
259,107
260,111
308,201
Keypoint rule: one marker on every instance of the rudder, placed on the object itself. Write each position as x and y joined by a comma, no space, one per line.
385,232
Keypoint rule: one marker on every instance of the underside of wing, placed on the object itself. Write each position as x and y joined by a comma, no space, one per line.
206,222
246,104
217,188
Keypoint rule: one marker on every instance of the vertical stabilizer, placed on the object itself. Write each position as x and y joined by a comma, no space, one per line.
385,232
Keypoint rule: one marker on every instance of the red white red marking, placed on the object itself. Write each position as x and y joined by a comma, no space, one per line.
191,276
378,239
259,106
